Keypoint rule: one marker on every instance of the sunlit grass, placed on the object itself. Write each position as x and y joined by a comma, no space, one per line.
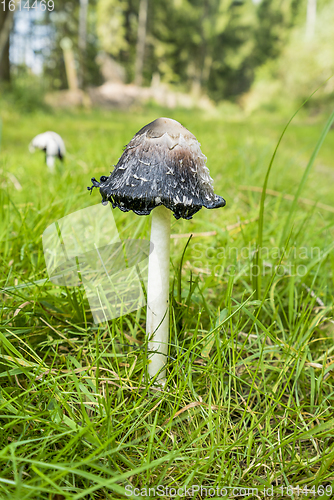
250,390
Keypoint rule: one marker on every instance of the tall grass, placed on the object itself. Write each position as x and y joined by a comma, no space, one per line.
249,397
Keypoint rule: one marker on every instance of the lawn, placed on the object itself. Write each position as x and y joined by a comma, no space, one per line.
247,410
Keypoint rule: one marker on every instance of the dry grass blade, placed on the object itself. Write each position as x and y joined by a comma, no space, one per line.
289,197
21,307
176,236
194,404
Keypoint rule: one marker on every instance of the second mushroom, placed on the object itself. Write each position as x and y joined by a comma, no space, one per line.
163,170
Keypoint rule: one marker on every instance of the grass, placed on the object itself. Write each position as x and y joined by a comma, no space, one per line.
250,383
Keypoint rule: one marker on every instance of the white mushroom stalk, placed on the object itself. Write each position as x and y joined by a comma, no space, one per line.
50,161
157,315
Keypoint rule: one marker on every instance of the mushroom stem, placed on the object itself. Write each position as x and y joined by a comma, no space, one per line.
50,161
157,317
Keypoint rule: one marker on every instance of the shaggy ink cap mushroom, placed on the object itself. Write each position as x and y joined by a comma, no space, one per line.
162,165
50,142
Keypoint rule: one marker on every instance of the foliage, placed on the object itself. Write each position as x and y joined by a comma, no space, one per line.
117,30
114,25
216,49
213,46
250,384
310,61
250,52
303,66
25,93
63,22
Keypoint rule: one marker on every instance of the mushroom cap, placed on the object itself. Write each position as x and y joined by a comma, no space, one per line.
50,142
162,165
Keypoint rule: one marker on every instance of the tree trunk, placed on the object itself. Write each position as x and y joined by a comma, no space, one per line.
311,18
6,24
82,42
71,72
141,41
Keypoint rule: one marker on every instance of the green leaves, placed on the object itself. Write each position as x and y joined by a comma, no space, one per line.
111,25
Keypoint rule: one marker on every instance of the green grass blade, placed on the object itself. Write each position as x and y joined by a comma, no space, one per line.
257,258
305,176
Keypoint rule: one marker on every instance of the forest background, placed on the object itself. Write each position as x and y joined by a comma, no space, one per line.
253,53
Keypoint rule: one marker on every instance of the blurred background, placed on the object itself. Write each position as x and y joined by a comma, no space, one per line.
250,54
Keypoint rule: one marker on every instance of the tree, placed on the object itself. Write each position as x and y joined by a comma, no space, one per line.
141,41
6,24
76,21
82,39
117,29
211,46
303,66
311,17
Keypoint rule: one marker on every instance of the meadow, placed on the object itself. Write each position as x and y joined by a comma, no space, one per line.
248,404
